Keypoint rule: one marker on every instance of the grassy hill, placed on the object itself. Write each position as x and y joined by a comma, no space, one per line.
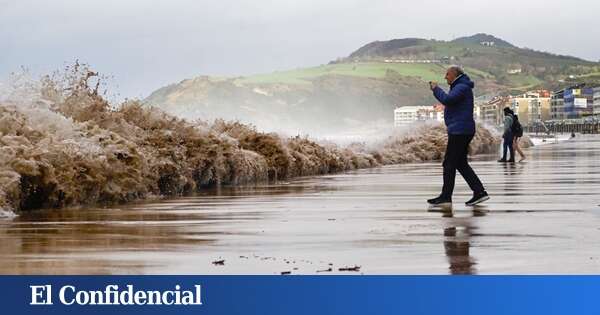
366,69
370,82
377,70
496,63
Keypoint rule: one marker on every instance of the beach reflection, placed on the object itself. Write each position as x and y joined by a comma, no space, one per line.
457,242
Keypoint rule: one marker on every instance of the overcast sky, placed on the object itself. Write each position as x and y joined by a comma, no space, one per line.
147,44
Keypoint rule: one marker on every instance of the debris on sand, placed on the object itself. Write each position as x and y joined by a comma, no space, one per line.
219,262
326,270
268,258
286,273
354,269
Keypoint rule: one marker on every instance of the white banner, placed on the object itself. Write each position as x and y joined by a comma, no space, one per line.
581,102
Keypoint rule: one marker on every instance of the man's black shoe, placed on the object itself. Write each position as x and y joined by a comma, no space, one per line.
511,161
502,160
439,201
478,198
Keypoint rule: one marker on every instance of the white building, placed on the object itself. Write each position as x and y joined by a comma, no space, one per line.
596,106
406,115
409,114
476,112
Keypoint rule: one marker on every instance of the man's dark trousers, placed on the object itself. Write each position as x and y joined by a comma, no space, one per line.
508,145
456,159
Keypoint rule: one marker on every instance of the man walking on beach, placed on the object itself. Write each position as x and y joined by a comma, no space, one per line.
458,116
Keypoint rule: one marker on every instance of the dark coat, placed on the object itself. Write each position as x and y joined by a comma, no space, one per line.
458,106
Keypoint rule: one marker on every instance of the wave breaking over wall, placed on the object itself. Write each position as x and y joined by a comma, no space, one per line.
62,144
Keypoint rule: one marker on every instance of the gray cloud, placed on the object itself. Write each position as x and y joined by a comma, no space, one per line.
147,44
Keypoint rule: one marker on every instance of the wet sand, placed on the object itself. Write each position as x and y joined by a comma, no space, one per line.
543,218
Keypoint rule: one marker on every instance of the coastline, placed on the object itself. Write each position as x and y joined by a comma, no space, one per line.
64,145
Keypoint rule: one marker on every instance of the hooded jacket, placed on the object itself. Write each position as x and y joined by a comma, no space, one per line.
458,106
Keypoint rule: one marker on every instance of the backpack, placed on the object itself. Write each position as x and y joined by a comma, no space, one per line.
516,128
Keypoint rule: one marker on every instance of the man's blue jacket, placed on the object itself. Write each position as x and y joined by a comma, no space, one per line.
458,106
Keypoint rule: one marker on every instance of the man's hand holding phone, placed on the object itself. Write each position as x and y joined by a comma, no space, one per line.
433,85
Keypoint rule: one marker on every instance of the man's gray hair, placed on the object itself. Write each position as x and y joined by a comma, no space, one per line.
457,69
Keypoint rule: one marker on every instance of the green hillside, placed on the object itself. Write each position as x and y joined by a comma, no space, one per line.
508,66
493,64
425,72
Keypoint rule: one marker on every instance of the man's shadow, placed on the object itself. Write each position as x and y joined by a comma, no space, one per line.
458,232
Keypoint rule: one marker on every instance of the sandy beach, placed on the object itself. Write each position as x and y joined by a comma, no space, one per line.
543,218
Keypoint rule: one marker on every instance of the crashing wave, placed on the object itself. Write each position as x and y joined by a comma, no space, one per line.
63,144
